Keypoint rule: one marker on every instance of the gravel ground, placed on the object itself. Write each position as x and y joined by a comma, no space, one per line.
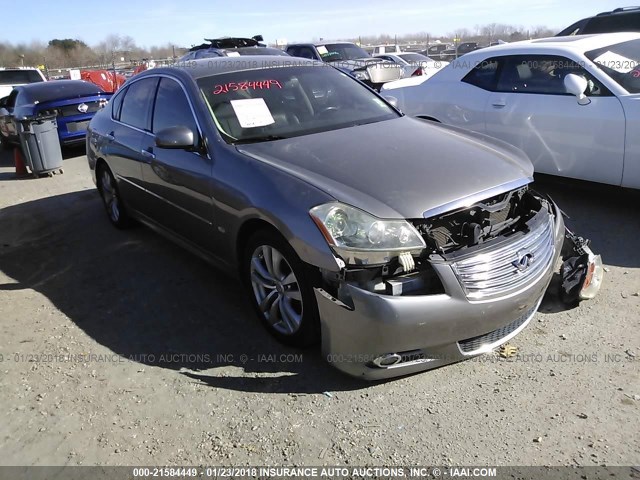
119,348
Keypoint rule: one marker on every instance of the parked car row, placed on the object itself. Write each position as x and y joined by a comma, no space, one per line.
352,59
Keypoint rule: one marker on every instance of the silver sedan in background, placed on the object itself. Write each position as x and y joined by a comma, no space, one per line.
415,64
399,244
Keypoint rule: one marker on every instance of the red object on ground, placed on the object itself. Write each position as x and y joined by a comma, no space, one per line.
21,169
105,79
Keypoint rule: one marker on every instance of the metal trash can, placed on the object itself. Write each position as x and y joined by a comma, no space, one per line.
40,145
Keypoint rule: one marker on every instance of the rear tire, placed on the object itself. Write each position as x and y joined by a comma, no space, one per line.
111,198
280,287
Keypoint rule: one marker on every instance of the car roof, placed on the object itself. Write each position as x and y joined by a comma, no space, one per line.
576,43
619,11
206,67
320,44
59,89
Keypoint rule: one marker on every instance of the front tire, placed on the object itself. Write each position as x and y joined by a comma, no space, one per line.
111,198
281,289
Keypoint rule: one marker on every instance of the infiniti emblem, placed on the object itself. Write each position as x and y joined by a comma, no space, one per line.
524,261
83,108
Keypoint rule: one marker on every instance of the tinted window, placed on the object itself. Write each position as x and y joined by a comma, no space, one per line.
306,52
484,75
18,77
207,54
116,104
622,22
172,107
336,52
543,74
136,104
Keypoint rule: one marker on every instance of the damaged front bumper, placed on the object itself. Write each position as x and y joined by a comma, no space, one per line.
377,336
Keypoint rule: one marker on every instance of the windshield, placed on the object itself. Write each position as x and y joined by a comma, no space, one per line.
341,51
19,77
274,103
621,62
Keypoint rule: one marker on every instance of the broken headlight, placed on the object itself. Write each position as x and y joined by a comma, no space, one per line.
362,239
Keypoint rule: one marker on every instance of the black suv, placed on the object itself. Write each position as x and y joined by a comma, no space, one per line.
625,19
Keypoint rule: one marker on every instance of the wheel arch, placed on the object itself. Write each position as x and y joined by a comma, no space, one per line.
246,230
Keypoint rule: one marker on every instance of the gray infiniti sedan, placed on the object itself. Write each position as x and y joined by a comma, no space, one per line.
399,244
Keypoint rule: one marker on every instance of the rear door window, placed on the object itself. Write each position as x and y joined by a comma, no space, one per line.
136,105
116,104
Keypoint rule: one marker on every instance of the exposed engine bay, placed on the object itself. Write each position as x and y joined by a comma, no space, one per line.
460,232
468,227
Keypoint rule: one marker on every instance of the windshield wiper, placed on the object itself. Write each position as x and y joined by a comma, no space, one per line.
266,138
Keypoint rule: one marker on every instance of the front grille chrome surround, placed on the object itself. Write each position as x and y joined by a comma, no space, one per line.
510,267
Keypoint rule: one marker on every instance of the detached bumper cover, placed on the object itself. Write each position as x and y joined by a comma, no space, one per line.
426,331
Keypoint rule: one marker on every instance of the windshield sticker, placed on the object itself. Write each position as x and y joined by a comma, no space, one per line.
616,62
322,50
252,112
235,86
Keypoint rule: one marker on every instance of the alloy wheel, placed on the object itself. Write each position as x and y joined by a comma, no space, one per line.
110,195
276,289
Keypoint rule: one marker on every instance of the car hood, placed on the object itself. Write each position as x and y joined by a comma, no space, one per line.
399,168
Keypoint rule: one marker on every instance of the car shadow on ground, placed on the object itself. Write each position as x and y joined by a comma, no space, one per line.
146,299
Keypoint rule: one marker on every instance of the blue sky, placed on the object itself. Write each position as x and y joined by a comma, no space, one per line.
156,22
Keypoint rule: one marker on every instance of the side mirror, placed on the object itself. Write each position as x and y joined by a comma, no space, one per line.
577,85
392,100
175,137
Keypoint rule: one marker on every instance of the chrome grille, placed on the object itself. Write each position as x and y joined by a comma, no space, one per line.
505,269
488,341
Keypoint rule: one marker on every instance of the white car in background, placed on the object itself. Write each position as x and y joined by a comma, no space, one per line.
571,103
13,77
415,63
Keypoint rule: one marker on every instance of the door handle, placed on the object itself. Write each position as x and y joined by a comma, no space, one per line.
110,137
148,154
499,103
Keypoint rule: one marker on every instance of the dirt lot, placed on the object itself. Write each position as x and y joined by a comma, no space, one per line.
119,348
